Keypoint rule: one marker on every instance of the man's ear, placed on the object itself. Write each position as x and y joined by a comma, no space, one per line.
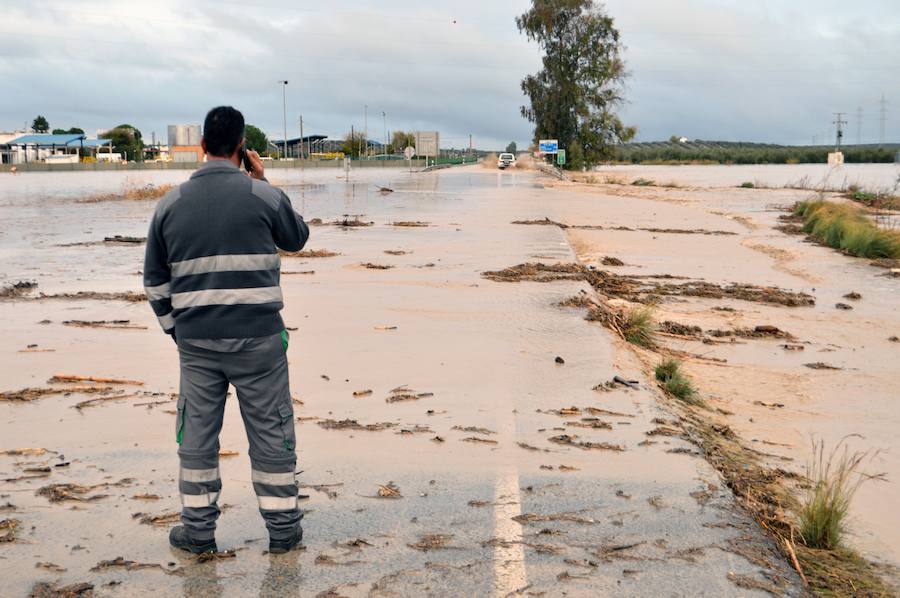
203,145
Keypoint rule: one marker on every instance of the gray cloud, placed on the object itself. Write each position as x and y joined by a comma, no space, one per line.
761,71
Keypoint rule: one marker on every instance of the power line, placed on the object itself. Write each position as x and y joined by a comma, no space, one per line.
839,122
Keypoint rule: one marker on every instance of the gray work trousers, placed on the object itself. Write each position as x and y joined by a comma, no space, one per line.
259,373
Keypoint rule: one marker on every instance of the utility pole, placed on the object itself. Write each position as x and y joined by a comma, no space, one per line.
352,140
284,113
859,113
883,119
366,128
384,124
301,136
839,123
470,143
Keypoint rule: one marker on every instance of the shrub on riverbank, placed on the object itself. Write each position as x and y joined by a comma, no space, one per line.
834,481
673,381
638,327
848,228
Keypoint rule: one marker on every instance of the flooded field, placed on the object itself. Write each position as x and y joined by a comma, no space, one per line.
516,465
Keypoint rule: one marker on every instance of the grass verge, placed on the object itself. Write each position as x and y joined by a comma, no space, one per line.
847,228
767,494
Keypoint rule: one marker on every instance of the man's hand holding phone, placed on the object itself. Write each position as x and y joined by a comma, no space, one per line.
253,164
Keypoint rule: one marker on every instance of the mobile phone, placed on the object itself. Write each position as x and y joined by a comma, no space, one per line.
245,159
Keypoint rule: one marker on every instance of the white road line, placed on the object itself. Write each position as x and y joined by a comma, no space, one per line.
509,553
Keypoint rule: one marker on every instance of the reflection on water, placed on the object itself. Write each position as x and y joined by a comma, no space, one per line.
868,176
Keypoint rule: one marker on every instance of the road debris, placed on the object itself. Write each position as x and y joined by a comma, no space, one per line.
362,393
206,557
639,290
411,223
32,394
428,542
308,253
532,448
572,440
117,324
26,452
68,378
161,520
389,490
819,365
77,492
349,221
629,383
352,424
371,266
48,566
43,589
97,400
404,393
325,489
8,530
17,289
474,430
477,440
129,565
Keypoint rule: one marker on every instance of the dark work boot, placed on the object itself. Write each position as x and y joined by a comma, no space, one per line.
179,538
284,545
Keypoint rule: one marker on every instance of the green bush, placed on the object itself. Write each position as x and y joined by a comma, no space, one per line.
638,327
668,373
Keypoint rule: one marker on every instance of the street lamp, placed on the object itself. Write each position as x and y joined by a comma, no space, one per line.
284,112
384,124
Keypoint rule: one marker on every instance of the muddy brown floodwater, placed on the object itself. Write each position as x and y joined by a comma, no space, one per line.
444,447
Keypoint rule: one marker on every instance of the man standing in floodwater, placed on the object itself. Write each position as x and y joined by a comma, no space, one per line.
212,273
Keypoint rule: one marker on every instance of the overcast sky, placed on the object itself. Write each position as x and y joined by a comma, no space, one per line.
766,70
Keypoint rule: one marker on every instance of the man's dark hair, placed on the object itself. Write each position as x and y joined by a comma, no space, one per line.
223,130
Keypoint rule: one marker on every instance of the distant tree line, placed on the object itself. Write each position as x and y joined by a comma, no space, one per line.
723,152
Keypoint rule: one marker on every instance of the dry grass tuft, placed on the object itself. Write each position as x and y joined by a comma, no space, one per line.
673,381
639,326
834,481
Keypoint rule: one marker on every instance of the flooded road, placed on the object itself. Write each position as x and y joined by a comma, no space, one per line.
496,498
772,396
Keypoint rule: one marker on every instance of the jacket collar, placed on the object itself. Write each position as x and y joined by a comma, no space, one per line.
215,166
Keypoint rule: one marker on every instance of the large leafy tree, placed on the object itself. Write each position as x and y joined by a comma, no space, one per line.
354,144
71,131
40,124
400,140
256,139
126,138
574,97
